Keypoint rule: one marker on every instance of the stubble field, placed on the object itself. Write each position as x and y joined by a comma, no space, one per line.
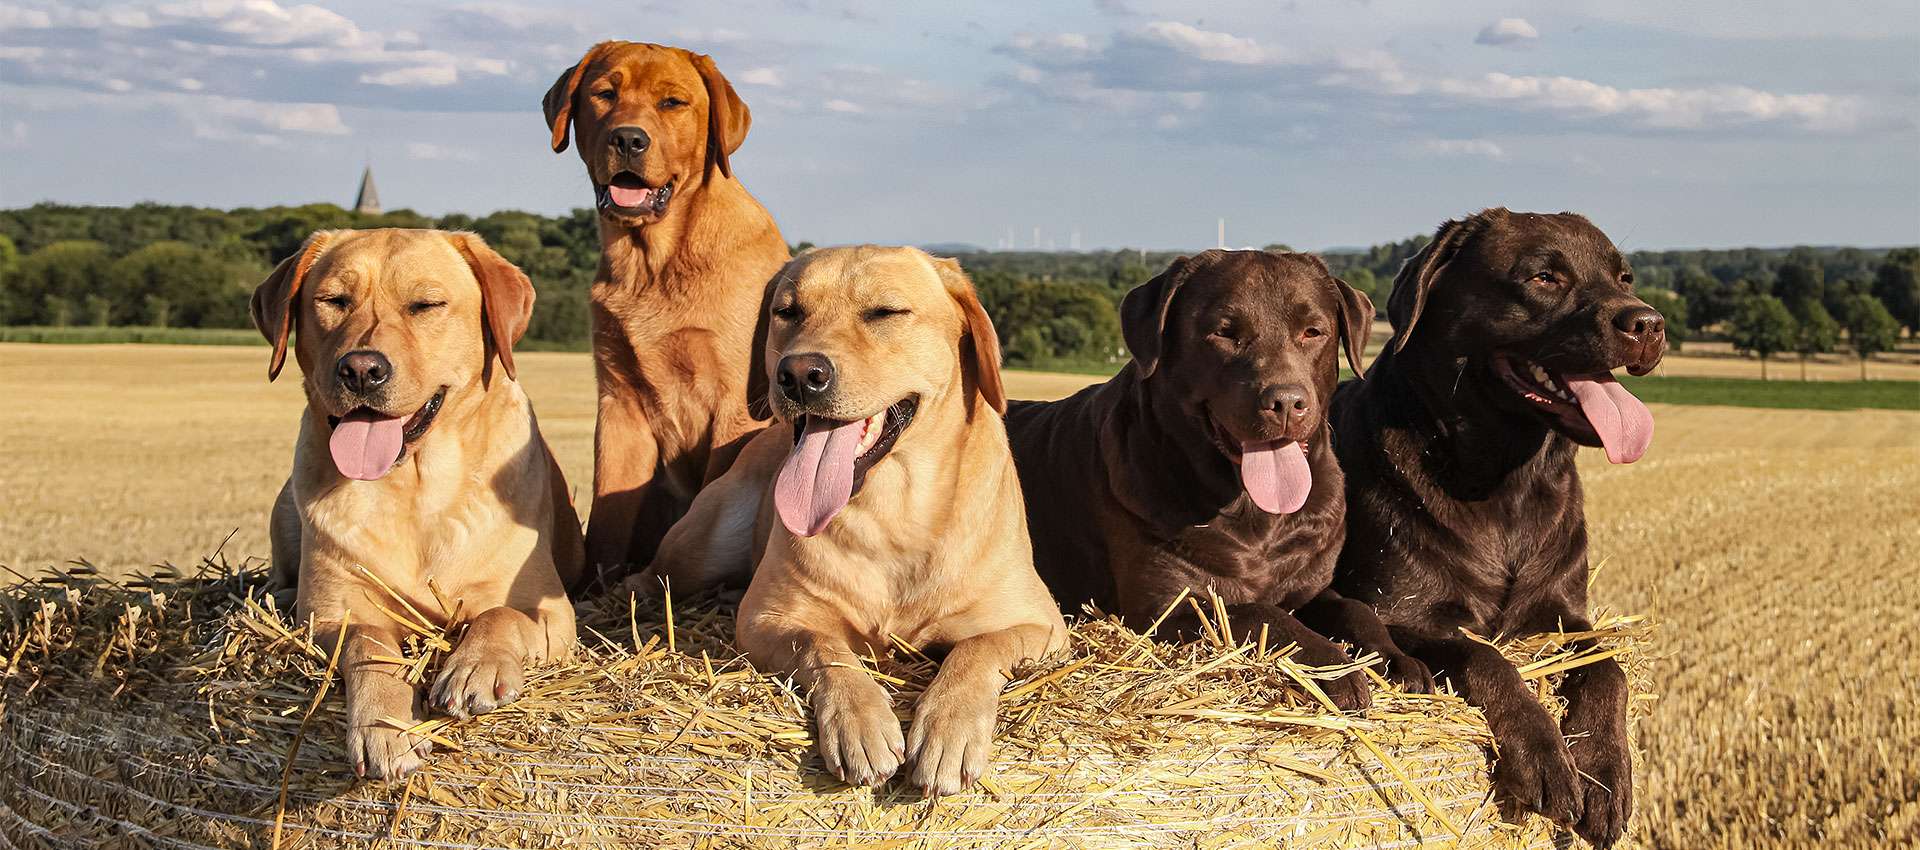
1776,547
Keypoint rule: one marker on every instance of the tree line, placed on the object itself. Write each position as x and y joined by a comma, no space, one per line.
174,266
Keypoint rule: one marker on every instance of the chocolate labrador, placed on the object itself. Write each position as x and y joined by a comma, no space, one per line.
1463,504
1205,464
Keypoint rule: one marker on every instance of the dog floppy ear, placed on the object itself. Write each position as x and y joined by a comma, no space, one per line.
506,298
1143,312
980,348
1356,322
727,115
272,303
759,406
1417,275
558,104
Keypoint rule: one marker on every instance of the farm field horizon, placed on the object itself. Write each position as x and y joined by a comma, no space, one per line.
1768,543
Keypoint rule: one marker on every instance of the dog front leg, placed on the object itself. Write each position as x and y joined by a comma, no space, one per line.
1595,727
377,698
854,725
625,458
951,741
1357,623
488,668
1534,770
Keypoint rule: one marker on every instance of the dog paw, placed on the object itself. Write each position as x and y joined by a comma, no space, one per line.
1351,692
379,751
1409,673
1607,780
950,744
1535,773
859,736
477,679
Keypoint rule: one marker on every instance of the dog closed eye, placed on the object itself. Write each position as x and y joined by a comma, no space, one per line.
878,313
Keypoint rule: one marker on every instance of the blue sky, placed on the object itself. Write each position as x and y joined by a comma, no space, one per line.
1124,122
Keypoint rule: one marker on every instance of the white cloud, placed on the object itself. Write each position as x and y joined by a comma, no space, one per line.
229,119
1506,31
760,77
235,48
1210,46
189,84
1461,148
845,106
1139,67
422,75
15,17
429,151
1049,48
1667,108
717,35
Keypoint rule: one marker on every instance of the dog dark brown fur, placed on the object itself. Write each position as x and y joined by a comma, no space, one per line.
1138,488
1463,504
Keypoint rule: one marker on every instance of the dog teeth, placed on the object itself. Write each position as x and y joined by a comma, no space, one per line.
1539,374
871,434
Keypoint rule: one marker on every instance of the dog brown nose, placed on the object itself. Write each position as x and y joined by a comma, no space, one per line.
1640,321
629,141
363,371
804,377
1287,400
1645,331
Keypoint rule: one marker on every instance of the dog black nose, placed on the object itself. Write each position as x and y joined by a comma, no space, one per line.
803,376
1285,400
1638,322
362,371
629,141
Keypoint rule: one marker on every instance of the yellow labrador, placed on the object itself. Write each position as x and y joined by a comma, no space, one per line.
898,512
418,461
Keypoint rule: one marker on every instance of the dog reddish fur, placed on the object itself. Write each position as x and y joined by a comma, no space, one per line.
685,254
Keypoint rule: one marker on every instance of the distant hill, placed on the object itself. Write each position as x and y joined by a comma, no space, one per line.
948,249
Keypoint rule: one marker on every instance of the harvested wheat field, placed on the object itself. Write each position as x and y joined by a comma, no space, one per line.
1773,547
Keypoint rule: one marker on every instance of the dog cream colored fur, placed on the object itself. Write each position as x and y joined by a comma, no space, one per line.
930,548
418,461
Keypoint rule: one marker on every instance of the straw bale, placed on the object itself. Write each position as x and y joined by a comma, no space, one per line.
161,712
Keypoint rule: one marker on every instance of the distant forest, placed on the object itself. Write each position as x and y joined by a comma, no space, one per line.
170,266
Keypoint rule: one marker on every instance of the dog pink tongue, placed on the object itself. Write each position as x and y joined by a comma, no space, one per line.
817,479
1276,475
365,444
1624,424
629,197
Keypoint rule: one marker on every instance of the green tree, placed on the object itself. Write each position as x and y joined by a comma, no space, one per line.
50,283
1362,279
1818,333
99,310
1673,307
1897,284
1870,328
9,260
1799,282
1763,326
196,287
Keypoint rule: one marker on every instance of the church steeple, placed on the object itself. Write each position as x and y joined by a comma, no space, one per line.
368,201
